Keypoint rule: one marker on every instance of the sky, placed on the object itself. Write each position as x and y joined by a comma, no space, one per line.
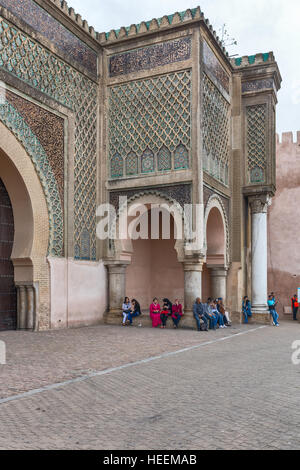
257,26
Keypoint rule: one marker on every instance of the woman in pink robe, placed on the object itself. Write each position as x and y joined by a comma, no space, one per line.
155,313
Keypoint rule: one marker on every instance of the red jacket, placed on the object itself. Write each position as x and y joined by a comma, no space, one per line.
295,302
176,310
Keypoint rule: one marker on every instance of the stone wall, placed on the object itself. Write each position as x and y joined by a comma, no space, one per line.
284,223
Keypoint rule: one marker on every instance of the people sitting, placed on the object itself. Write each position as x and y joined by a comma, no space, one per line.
155,313
177,313
212,319
222,311
199,315
246,309
164,316
135,311
126,308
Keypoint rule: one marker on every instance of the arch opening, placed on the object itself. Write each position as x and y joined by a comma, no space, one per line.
155,270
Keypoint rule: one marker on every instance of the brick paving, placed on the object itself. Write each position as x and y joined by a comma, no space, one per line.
235,394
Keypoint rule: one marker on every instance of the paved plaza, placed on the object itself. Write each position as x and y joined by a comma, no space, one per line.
138,388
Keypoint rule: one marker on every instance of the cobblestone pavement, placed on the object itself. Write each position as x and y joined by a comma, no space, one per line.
238,393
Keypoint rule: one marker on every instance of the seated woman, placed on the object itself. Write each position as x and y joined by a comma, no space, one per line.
126,307
223,312
135,312
164,315
215,311
155,313
177,313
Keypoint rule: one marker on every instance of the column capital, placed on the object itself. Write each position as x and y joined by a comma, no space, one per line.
218,271
259,203
116,266
193,263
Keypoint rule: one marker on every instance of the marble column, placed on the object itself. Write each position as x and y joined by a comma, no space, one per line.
116,288
30,308
259,253
22,308
192,288
218,276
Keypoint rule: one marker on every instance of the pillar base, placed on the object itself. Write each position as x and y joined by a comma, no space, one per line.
261,318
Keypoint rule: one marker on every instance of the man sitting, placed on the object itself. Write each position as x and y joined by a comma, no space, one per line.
199,315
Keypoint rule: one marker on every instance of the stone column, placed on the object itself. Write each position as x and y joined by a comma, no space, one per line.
22,308
259,257
116,289
192,288
218,276
31,309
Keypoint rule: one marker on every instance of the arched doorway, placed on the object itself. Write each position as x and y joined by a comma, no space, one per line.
216,266
31,233
8,292
154,270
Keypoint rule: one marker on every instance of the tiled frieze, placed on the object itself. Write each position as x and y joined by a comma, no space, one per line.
29,61
257,85
216,132
214,67
149,118
65,41
150,57
178,193
256,117
17,124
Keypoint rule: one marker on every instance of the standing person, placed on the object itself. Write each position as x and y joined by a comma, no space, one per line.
199,315
272,308
126,307
246,308
135,312
177,313
155,313
295,306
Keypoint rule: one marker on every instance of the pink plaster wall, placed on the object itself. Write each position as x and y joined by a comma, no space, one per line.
78,292
284,223
155,271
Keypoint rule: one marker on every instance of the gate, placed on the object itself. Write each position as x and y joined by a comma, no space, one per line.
8,293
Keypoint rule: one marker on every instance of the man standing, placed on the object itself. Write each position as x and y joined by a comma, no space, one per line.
295,306
272,308
199,315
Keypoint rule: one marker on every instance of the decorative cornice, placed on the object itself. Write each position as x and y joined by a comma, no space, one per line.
188,16
70,12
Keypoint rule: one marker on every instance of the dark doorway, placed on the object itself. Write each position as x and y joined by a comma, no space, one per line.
8,294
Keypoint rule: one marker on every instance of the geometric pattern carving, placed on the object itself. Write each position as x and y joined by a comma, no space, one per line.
147,162
216,132
181,158
164,159
116,166
256,143
150,57
149,114
15,122
132,164
54,31
32,63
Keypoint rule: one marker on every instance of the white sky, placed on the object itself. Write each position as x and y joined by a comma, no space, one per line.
257,25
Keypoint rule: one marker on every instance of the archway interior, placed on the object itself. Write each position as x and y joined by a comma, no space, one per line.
215,256
8,294
155,270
